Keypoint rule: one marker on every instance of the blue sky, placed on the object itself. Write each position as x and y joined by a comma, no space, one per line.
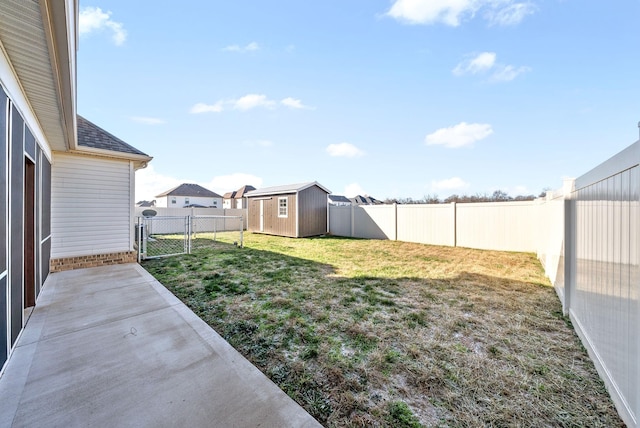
388,98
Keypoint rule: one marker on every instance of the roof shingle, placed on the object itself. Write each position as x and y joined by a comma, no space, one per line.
190,189
91,135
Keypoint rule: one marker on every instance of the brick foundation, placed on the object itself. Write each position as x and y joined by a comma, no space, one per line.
95,260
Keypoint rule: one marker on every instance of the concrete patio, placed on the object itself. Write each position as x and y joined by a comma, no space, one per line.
110,346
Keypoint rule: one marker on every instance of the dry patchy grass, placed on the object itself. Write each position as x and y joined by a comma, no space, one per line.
383,333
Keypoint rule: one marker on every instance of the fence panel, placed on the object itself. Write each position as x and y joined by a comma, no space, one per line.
604,282
340,220
427,224
374,222
161,236
502,226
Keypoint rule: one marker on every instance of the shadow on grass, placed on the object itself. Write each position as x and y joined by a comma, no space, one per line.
469,349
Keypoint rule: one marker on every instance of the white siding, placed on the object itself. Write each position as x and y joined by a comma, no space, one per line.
181,201
91,202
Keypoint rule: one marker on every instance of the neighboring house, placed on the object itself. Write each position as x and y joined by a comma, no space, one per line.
365,200
340,201
189,195
146,204
228,200
67,186
240,196
296,210
237,198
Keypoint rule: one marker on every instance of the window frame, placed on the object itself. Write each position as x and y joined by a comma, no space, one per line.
285,206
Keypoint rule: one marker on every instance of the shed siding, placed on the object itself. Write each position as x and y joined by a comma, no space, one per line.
273,224
312,212
91,206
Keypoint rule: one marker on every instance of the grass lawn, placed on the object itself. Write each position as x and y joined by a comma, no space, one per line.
384,333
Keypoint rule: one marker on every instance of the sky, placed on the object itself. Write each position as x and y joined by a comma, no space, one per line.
387,98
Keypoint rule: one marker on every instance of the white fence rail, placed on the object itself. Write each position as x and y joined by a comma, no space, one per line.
587,239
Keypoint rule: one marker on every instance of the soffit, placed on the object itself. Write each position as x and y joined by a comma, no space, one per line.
25,41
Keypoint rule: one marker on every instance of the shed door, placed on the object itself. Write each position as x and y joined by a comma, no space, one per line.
261,216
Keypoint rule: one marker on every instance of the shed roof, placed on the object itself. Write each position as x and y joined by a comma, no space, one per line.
189,189
287,188
91,135
229,195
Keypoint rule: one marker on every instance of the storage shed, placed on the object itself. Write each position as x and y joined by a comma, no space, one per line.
294,210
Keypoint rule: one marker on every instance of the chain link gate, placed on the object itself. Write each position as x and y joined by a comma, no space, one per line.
165,236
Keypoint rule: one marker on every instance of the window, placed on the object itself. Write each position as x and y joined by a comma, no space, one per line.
283,210
173,200
186,201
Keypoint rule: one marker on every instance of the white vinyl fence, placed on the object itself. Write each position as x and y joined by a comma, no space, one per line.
587,237
183,212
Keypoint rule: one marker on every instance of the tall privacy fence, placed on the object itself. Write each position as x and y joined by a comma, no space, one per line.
586,236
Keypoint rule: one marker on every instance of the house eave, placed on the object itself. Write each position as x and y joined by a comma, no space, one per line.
140,161
38,38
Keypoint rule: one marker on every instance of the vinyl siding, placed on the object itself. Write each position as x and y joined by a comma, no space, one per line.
91,205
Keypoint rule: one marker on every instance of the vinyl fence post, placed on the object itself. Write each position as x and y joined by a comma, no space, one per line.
352,219
569,252
395,221
454,214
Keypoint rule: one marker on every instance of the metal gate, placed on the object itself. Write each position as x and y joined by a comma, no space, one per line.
165,236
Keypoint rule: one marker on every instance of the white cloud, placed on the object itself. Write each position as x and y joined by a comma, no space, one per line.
148,120
345,150
93,19
460,135
453,12
353,190
512,14
248,102
506,73
293,103
150,183
226,183
481,62
251,101
258,143
206,108
448,12
253,46
453,183
485,62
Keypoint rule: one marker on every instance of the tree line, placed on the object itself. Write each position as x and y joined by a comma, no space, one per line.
496,196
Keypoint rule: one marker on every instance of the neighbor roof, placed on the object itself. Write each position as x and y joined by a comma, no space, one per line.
339,198
91,135
229,195
288,188
189,189
242,192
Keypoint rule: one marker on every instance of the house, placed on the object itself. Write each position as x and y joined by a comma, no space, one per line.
240,196
228,200
339,201
237,199
67,185
295,210
365,200
189,195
